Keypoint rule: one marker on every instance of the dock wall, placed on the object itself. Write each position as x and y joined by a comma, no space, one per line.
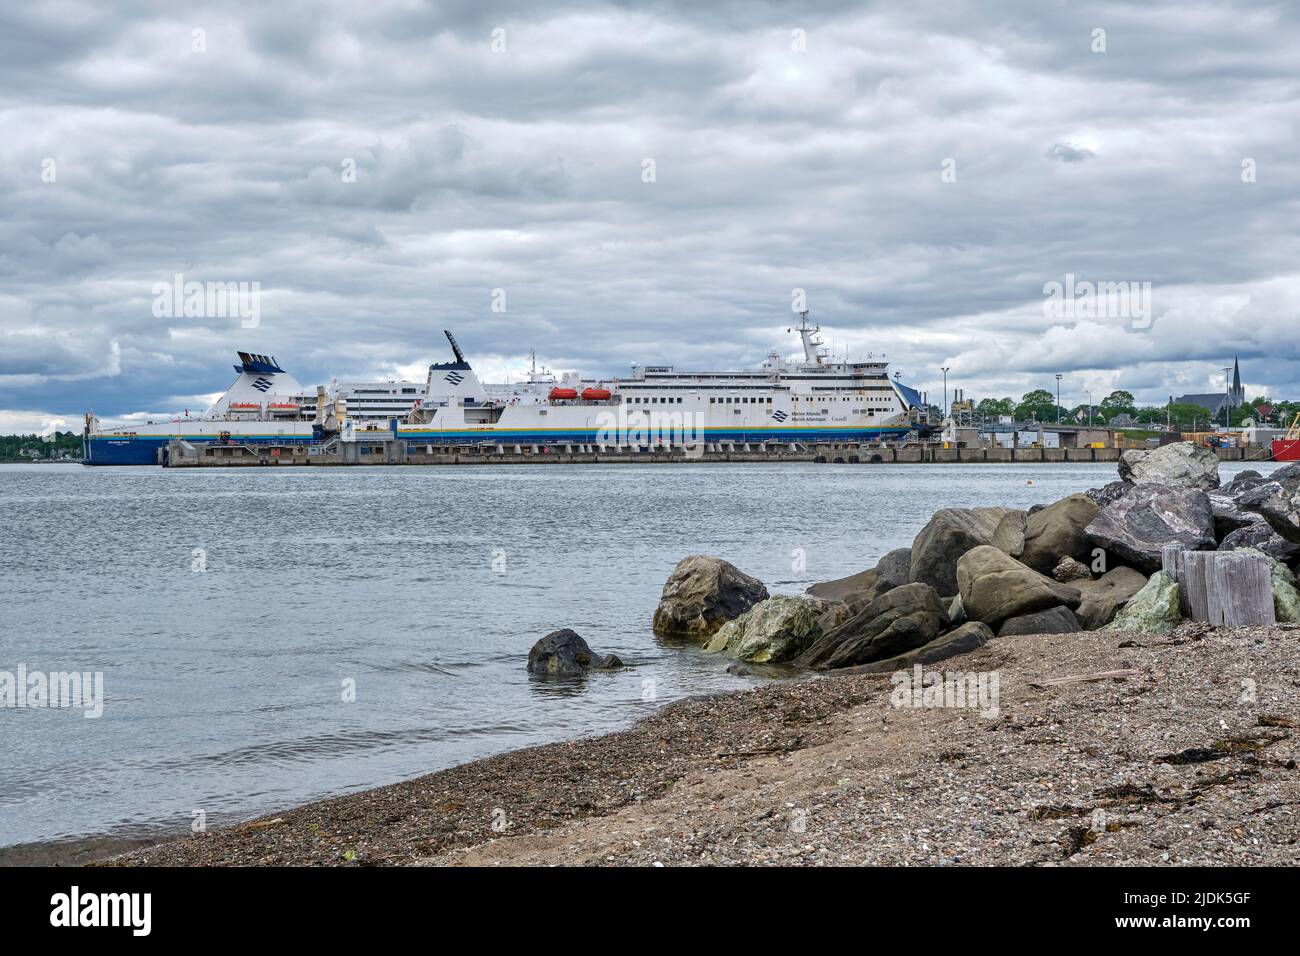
404,453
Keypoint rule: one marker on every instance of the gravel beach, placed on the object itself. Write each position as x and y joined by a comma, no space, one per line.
1185,753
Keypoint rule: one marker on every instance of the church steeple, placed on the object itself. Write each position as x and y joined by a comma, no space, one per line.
1238,393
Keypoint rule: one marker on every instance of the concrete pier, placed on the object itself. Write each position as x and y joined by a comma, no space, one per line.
392,452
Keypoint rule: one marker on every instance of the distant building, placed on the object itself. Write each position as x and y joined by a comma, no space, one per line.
1123,420
1234,397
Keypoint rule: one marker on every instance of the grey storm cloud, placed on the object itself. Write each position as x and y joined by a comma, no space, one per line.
919,173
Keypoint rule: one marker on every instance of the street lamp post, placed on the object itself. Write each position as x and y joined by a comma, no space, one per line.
1058,398
945,391
1089,408
1227,396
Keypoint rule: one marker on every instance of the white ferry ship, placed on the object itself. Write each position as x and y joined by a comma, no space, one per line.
265,406
815,399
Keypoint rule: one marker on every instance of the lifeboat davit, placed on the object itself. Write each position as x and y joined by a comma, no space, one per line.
595,394
563,393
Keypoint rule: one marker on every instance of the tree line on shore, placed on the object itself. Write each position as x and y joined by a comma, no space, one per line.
1040,405
56,445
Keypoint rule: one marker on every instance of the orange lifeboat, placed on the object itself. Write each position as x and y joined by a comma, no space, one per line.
557,393
595,394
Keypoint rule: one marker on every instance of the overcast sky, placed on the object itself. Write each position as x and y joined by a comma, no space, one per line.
920,175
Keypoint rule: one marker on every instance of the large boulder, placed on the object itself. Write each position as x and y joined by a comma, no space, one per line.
1057,531
829,613
1229,516
995,586
1282,509
1243,481
893,570
1286,598
897,621
1261,536
771,631
1009,536
1153,610
960,640
1055,620
1104,495
702,594
1179,465
1253,497
1134,529
563,653
1104,596
857,588
949,534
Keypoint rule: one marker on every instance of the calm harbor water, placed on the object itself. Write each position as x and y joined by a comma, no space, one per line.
424,586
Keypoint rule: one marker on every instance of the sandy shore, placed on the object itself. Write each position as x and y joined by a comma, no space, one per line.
1186,757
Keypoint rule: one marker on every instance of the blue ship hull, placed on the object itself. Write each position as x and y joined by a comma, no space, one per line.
147,450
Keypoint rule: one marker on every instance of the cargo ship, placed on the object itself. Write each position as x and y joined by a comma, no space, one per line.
813,398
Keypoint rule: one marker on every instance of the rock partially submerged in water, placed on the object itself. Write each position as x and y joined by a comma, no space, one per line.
702,594
772,631
897,621
1181,464
563,653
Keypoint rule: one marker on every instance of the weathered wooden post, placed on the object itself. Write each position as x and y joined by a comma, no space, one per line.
1225,588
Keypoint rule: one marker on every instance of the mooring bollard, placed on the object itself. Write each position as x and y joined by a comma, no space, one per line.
1225,588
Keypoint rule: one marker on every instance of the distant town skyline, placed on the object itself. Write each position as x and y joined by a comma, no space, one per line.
608,185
